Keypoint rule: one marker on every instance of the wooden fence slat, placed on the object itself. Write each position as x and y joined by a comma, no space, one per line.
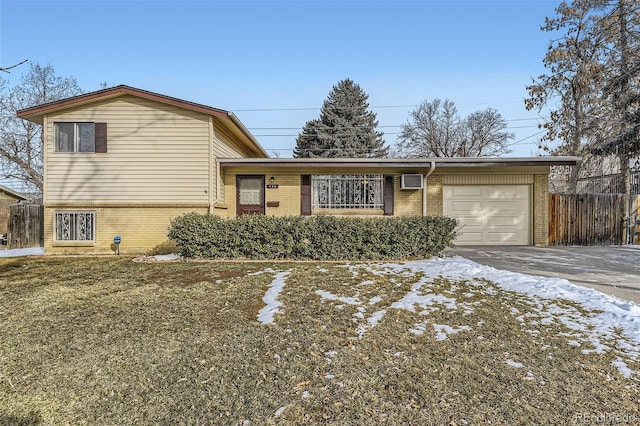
586,219
26,223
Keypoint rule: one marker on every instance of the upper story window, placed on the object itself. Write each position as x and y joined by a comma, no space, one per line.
80,137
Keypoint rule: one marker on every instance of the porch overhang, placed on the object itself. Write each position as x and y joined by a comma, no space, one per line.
413,165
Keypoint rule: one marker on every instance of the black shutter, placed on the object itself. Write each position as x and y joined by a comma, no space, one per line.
101,137
388,195
305,195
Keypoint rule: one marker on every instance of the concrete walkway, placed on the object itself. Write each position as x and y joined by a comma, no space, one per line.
612,270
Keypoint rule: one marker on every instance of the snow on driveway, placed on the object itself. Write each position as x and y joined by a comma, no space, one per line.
593,330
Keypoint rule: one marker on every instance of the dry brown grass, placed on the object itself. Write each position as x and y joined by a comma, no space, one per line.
109,341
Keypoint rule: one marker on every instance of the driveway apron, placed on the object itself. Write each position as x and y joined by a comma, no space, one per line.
612,270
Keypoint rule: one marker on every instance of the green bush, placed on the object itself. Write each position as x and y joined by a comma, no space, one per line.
313,237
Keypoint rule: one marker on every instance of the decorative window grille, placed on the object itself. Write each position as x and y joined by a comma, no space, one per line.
347,191
75,226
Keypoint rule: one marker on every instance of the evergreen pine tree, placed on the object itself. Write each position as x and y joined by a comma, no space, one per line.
345,127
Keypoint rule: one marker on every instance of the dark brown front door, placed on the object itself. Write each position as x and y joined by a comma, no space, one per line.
249,194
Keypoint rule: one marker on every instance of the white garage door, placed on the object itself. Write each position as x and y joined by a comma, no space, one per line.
489,214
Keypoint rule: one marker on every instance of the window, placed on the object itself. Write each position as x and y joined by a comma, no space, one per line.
347,192
75,226
80,137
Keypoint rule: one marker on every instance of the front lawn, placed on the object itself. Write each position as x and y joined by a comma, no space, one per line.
111,341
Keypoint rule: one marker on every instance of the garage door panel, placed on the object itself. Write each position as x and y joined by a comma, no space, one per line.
471,220
516,222
489,214
502,238
509,192
465,207
464,191
470,238
502,208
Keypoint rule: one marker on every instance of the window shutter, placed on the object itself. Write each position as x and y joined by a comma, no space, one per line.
388,195
305,195
101,137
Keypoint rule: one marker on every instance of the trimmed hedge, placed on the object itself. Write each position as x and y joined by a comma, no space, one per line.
314,237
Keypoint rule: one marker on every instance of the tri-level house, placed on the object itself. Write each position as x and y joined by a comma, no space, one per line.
124,162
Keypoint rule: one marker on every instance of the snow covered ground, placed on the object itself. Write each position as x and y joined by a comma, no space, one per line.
593,327
33,251
594,330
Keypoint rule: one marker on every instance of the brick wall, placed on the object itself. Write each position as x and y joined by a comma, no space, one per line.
141,229
541,210
434,195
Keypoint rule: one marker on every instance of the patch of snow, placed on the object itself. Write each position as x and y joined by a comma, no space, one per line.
329,376
514,363
31,251
167,257
270,298
443,330
608,313
330,296
374,319
622,367
368,282
607,318
415,297
375,300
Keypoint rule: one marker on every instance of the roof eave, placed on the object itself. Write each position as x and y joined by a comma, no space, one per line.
12,192
36,112
398,163
247,133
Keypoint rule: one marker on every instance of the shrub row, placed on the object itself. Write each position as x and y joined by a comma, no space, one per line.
314,237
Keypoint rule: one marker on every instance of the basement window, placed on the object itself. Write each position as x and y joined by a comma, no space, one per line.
75,226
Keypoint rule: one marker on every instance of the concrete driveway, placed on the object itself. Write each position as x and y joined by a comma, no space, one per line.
611,270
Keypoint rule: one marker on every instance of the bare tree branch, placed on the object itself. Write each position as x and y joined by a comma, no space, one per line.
6,69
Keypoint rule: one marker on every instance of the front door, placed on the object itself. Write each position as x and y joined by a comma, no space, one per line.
249,194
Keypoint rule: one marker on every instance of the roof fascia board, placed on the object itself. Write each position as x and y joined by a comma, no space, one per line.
39,110
12,192
404,163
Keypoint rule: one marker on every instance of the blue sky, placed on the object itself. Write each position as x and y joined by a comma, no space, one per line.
273,63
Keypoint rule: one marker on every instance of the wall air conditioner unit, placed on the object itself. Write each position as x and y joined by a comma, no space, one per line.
411,181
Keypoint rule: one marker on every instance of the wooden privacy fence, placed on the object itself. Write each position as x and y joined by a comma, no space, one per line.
26,223
586,219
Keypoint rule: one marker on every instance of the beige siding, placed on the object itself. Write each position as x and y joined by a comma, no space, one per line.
156,153
224,147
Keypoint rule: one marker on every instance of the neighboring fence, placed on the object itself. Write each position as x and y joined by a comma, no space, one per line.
26,223
607,184
586,219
